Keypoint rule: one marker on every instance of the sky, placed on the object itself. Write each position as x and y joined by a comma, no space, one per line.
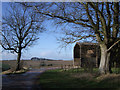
46,47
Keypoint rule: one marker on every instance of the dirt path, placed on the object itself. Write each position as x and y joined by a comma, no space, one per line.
25,81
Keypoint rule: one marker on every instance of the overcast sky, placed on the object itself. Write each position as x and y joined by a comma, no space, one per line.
46,47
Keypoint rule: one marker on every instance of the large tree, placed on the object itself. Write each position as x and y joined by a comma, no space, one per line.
97,20
20,29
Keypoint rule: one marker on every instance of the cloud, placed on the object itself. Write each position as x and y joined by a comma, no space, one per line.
46,53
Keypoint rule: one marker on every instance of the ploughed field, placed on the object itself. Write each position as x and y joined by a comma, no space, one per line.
7,64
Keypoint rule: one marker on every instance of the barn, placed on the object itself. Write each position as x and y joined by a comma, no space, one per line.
86,53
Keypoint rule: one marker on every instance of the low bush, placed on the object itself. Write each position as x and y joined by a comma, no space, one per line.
50,64
42,64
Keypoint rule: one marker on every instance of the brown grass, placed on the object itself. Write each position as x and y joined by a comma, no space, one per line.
113,77
83,75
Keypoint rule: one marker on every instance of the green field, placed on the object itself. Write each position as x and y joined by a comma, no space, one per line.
5,67
77,78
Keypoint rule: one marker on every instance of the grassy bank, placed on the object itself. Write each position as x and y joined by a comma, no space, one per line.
5,67
78,79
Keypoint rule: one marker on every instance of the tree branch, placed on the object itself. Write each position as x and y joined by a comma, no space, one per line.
113,45
65,18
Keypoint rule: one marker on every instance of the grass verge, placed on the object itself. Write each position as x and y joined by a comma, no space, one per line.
5,67
12,71
78,79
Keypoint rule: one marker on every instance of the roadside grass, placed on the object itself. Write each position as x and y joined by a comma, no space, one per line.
74,78
7,70
5,67
116,70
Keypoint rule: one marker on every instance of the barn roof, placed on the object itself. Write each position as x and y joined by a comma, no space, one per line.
86,43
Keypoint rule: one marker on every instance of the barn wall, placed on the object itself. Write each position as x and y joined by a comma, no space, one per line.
76,51
88,54
77,62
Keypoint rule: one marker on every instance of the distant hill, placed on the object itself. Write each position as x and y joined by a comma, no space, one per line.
37,59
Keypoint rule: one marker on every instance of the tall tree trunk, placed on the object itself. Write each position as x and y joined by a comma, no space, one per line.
18,61
105,60
108,63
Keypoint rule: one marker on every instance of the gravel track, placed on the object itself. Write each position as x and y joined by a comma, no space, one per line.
25,81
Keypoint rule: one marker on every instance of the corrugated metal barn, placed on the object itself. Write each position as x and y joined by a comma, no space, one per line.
86,54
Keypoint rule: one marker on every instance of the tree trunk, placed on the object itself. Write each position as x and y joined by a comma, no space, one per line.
108,63
18,61
105,66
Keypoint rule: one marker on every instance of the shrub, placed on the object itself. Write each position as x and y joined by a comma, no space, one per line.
43,64
50,64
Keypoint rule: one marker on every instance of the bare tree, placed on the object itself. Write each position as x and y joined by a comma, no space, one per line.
20,29
97,20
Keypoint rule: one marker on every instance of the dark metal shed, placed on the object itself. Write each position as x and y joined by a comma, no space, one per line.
86,52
